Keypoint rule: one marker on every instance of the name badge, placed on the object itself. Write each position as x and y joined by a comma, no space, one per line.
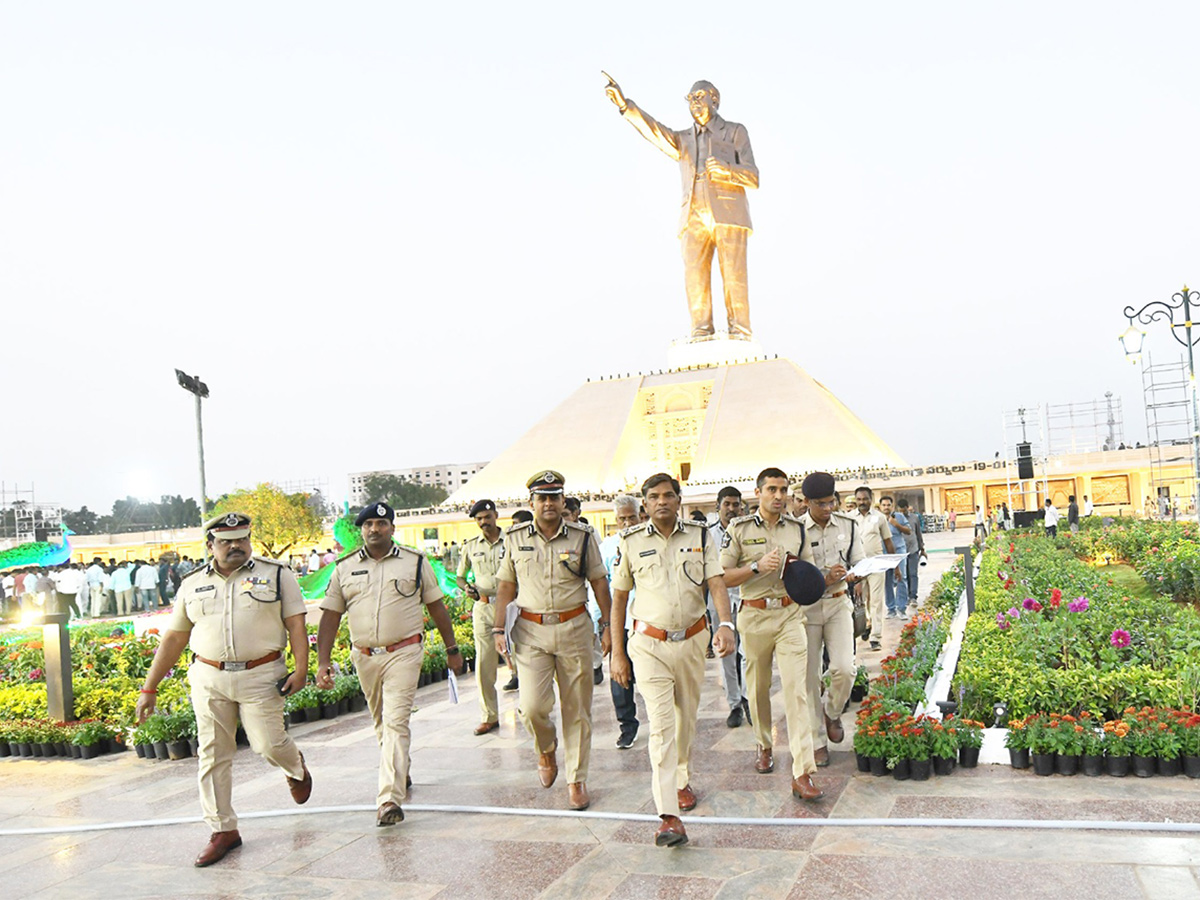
755,541
207,587
647,553
530,549
360,572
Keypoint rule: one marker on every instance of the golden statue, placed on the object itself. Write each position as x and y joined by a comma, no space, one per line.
714,214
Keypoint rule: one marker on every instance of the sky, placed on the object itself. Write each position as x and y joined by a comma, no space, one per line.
391,235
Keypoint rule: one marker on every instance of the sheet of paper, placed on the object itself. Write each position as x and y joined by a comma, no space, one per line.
881,563
453,682
510,618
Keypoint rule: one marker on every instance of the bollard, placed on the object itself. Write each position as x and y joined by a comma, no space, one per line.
968,576
56,643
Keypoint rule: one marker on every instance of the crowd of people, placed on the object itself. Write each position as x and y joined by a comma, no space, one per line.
99,589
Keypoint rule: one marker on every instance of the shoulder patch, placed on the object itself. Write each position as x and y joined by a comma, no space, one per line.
200,567
740,519
788,517
517,526
625,532
264,559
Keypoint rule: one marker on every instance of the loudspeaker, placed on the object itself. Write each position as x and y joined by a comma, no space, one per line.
1024,461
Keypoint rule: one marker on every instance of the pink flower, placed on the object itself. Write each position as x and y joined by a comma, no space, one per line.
1079,605
1001,620
1119,638
1030,604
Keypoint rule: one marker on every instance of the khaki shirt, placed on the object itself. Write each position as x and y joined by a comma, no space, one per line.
547,572
483,559
873,530
748,539
239,618
670,573
838,542
381,598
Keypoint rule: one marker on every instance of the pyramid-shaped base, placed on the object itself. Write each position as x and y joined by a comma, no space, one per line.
707,425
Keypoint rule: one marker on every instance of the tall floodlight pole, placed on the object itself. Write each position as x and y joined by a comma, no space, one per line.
1131,342
197,388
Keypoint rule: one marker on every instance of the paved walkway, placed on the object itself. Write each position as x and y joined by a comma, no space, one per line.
463,855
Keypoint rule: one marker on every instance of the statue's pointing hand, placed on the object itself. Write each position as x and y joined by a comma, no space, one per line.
613,91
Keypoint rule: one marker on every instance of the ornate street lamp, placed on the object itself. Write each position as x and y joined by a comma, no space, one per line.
1166,310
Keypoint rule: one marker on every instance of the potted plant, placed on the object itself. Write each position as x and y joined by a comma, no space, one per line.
327,702
358,702
943,745
1091,760
870,745
1166,747
176,728
1116,748
1189,742
1068,743
908,754
1042,744
862,683
142,745
90,738
154,729
970,741
1017,742
5,746
1141,741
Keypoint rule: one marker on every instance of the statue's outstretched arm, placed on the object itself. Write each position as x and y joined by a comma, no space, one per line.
652,130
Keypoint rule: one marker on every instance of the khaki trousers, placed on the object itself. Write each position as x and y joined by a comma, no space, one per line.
389,682
669,675
836,634
97,599
483,616
563,653
779,633
876,603
125,604
220,699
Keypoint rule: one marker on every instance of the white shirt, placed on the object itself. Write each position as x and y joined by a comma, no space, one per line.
68,581
1052,516
1087,507
147,578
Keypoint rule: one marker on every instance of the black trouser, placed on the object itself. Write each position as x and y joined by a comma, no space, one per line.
625,702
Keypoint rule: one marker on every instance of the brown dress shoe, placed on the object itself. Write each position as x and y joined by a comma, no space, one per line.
670,833
547,768
219,844
833,728
804,789
821,756
485,727
301,788
687,798
763,761
389,814
577,795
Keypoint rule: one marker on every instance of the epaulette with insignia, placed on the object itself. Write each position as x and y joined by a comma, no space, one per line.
790,518
585,528
740,519
413,550
517,526
346,556
842,515
625,532
265,559
200,567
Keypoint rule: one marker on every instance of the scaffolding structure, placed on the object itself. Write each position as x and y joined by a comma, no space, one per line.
1169,428
23,519
1085,427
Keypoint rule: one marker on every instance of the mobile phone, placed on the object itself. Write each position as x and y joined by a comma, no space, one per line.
281,683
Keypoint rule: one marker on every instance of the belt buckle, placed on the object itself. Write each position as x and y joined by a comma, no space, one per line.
677,635
233,667
774,603
551,618
378,651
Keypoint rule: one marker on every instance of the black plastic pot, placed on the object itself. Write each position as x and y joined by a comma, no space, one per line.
878,766
920,769
863,762
1043,763
76,751
1092,765
1116,766
311,713
329,710
178,749
5,750
89,751
160,750
903,770
968,757
296,716
140,750
194,745
358,703
343,706
1170,767
1191,766
1019,758
1143,766
1066,765
943,765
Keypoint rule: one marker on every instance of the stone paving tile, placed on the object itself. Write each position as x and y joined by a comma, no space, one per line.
1165,881
918,878
662,887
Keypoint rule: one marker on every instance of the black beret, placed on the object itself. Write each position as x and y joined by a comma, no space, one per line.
803,582
378,510
816,485
482,506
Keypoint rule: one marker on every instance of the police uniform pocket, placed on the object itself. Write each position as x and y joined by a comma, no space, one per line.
649,570
200,605
257,597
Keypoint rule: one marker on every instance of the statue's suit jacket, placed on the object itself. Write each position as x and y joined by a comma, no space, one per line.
726,200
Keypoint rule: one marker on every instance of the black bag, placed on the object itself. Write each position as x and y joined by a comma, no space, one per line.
862,626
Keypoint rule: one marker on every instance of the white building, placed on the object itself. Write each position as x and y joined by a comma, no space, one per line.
448,476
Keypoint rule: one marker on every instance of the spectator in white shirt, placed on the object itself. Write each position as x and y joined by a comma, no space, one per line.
67,582
147,586
1052,517
94,576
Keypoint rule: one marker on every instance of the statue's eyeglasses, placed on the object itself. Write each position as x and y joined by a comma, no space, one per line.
698,95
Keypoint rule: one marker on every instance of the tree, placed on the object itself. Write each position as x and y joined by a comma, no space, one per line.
281,521
400,492
80,521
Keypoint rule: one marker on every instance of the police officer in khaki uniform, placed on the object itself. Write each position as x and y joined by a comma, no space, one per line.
237,612
831,544
670,562
771,624
481,555
551,562
381,588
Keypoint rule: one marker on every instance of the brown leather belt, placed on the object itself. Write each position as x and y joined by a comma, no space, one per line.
553,618
660,634
376,651
768,602
239,666
834,596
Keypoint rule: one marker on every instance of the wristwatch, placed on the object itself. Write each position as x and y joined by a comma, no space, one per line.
754,567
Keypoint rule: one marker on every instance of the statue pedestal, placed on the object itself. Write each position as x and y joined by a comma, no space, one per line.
720,351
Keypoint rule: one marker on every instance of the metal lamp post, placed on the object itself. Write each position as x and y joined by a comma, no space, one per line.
193,385
1131,342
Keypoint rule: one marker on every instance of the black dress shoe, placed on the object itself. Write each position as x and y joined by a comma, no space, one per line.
735,717
625,741
598,675
511,684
